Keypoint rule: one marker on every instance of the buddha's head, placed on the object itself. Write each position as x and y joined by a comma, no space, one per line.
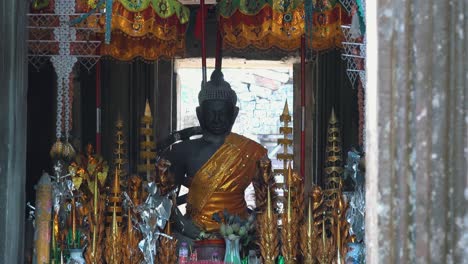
217,111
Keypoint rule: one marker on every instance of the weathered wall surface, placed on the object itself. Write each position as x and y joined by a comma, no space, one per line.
416,118
13,80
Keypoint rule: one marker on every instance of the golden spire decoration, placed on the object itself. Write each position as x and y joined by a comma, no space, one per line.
148,145
310,229
289,232
167,249
113,244
333,194
120,151
341,231
267,220
286,142
131,252
333,161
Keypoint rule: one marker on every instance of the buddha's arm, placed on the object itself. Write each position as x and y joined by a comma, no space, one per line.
177,158
185,226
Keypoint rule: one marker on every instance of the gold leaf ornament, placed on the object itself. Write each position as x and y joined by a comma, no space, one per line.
77,181
102,177
91,168
91,186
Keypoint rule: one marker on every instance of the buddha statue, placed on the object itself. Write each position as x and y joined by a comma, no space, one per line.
219,166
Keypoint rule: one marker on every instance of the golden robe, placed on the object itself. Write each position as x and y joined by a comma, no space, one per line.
221,181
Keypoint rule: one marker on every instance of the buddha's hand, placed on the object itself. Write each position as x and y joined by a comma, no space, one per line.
185,225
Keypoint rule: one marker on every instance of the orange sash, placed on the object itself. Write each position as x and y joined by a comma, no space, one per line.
221,181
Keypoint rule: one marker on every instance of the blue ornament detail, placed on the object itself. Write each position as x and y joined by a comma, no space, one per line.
309,18
362,16
107,35
85,16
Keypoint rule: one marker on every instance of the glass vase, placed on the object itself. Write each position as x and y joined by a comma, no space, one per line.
76,256
232,255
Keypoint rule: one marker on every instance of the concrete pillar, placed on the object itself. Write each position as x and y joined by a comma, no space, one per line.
13,80
416,127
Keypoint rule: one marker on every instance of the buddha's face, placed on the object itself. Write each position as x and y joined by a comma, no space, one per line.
217,116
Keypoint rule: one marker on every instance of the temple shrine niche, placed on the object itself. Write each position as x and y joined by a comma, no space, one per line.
197,132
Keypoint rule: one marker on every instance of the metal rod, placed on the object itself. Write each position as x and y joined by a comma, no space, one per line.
317,120
171,128
98,107
219,49
303,48
203,40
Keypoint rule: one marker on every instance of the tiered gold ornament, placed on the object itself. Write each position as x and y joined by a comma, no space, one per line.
333,162
286,142
333,194
148,145
119,151
113,243
290,231
267,220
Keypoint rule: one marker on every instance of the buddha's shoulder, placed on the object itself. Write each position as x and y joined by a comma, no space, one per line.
188,144
251,143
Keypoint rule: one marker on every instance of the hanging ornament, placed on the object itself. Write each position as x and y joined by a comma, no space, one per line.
63,64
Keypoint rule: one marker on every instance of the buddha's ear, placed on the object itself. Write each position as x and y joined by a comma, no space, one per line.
199,114
235,113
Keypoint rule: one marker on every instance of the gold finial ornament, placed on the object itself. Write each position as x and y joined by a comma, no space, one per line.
120,151
286,141
148,145
147,109
267,220
308,236
333,119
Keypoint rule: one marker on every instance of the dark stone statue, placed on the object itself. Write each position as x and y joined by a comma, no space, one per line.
218,167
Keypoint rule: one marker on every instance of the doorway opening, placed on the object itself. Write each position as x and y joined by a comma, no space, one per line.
262,89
